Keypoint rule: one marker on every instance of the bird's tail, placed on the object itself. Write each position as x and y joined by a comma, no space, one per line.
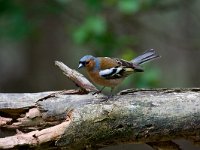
145,57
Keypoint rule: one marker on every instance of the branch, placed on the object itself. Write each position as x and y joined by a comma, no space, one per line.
76,77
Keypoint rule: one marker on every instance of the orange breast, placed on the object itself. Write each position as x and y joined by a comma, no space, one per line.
96,78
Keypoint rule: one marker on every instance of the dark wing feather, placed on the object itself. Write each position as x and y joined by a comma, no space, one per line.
127,64
113,73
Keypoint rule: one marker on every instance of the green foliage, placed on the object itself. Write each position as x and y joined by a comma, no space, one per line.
16,27
93,27
12,20
129,6
17,23
128,54
94,5
149,78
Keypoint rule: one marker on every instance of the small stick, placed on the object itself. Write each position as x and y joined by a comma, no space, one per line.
76,77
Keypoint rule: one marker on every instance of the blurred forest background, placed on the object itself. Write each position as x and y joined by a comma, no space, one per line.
33,34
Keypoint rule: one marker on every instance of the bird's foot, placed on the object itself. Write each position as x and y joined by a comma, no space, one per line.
110,96
106,98
96,92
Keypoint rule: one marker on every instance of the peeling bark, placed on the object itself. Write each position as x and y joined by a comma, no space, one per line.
4,121
34,138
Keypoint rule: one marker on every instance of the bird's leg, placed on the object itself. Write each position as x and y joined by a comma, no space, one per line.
101,89
111,92
97,92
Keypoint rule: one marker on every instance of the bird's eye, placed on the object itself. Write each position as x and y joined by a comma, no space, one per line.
87,62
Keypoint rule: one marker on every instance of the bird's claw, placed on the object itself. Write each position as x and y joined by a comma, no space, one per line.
96,92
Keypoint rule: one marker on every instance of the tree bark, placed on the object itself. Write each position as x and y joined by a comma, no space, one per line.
76,121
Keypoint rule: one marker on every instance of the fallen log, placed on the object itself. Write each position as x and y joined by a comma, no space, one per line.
76,120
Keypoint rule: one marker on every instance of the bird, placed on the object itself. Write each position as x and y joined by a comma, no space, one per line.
110,72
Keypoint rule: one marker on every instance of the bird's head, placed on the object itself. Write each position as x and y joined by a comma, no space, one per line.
87,61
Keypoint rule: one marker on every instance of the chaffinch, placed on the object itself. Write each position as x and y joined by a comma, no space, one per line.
110,72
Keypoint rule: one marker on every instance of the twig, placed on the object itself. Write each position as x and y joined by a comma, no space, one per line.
76,77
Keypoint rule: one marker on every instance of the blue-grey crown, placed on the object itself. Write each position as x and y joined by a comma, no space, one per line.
86,57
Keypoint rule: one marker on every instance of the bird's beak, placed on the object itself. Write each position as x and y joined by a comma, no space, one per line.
80,66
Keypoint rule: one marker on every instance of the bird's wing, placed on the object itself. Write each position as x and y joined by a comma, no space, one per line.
114,68
116,72
107,63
